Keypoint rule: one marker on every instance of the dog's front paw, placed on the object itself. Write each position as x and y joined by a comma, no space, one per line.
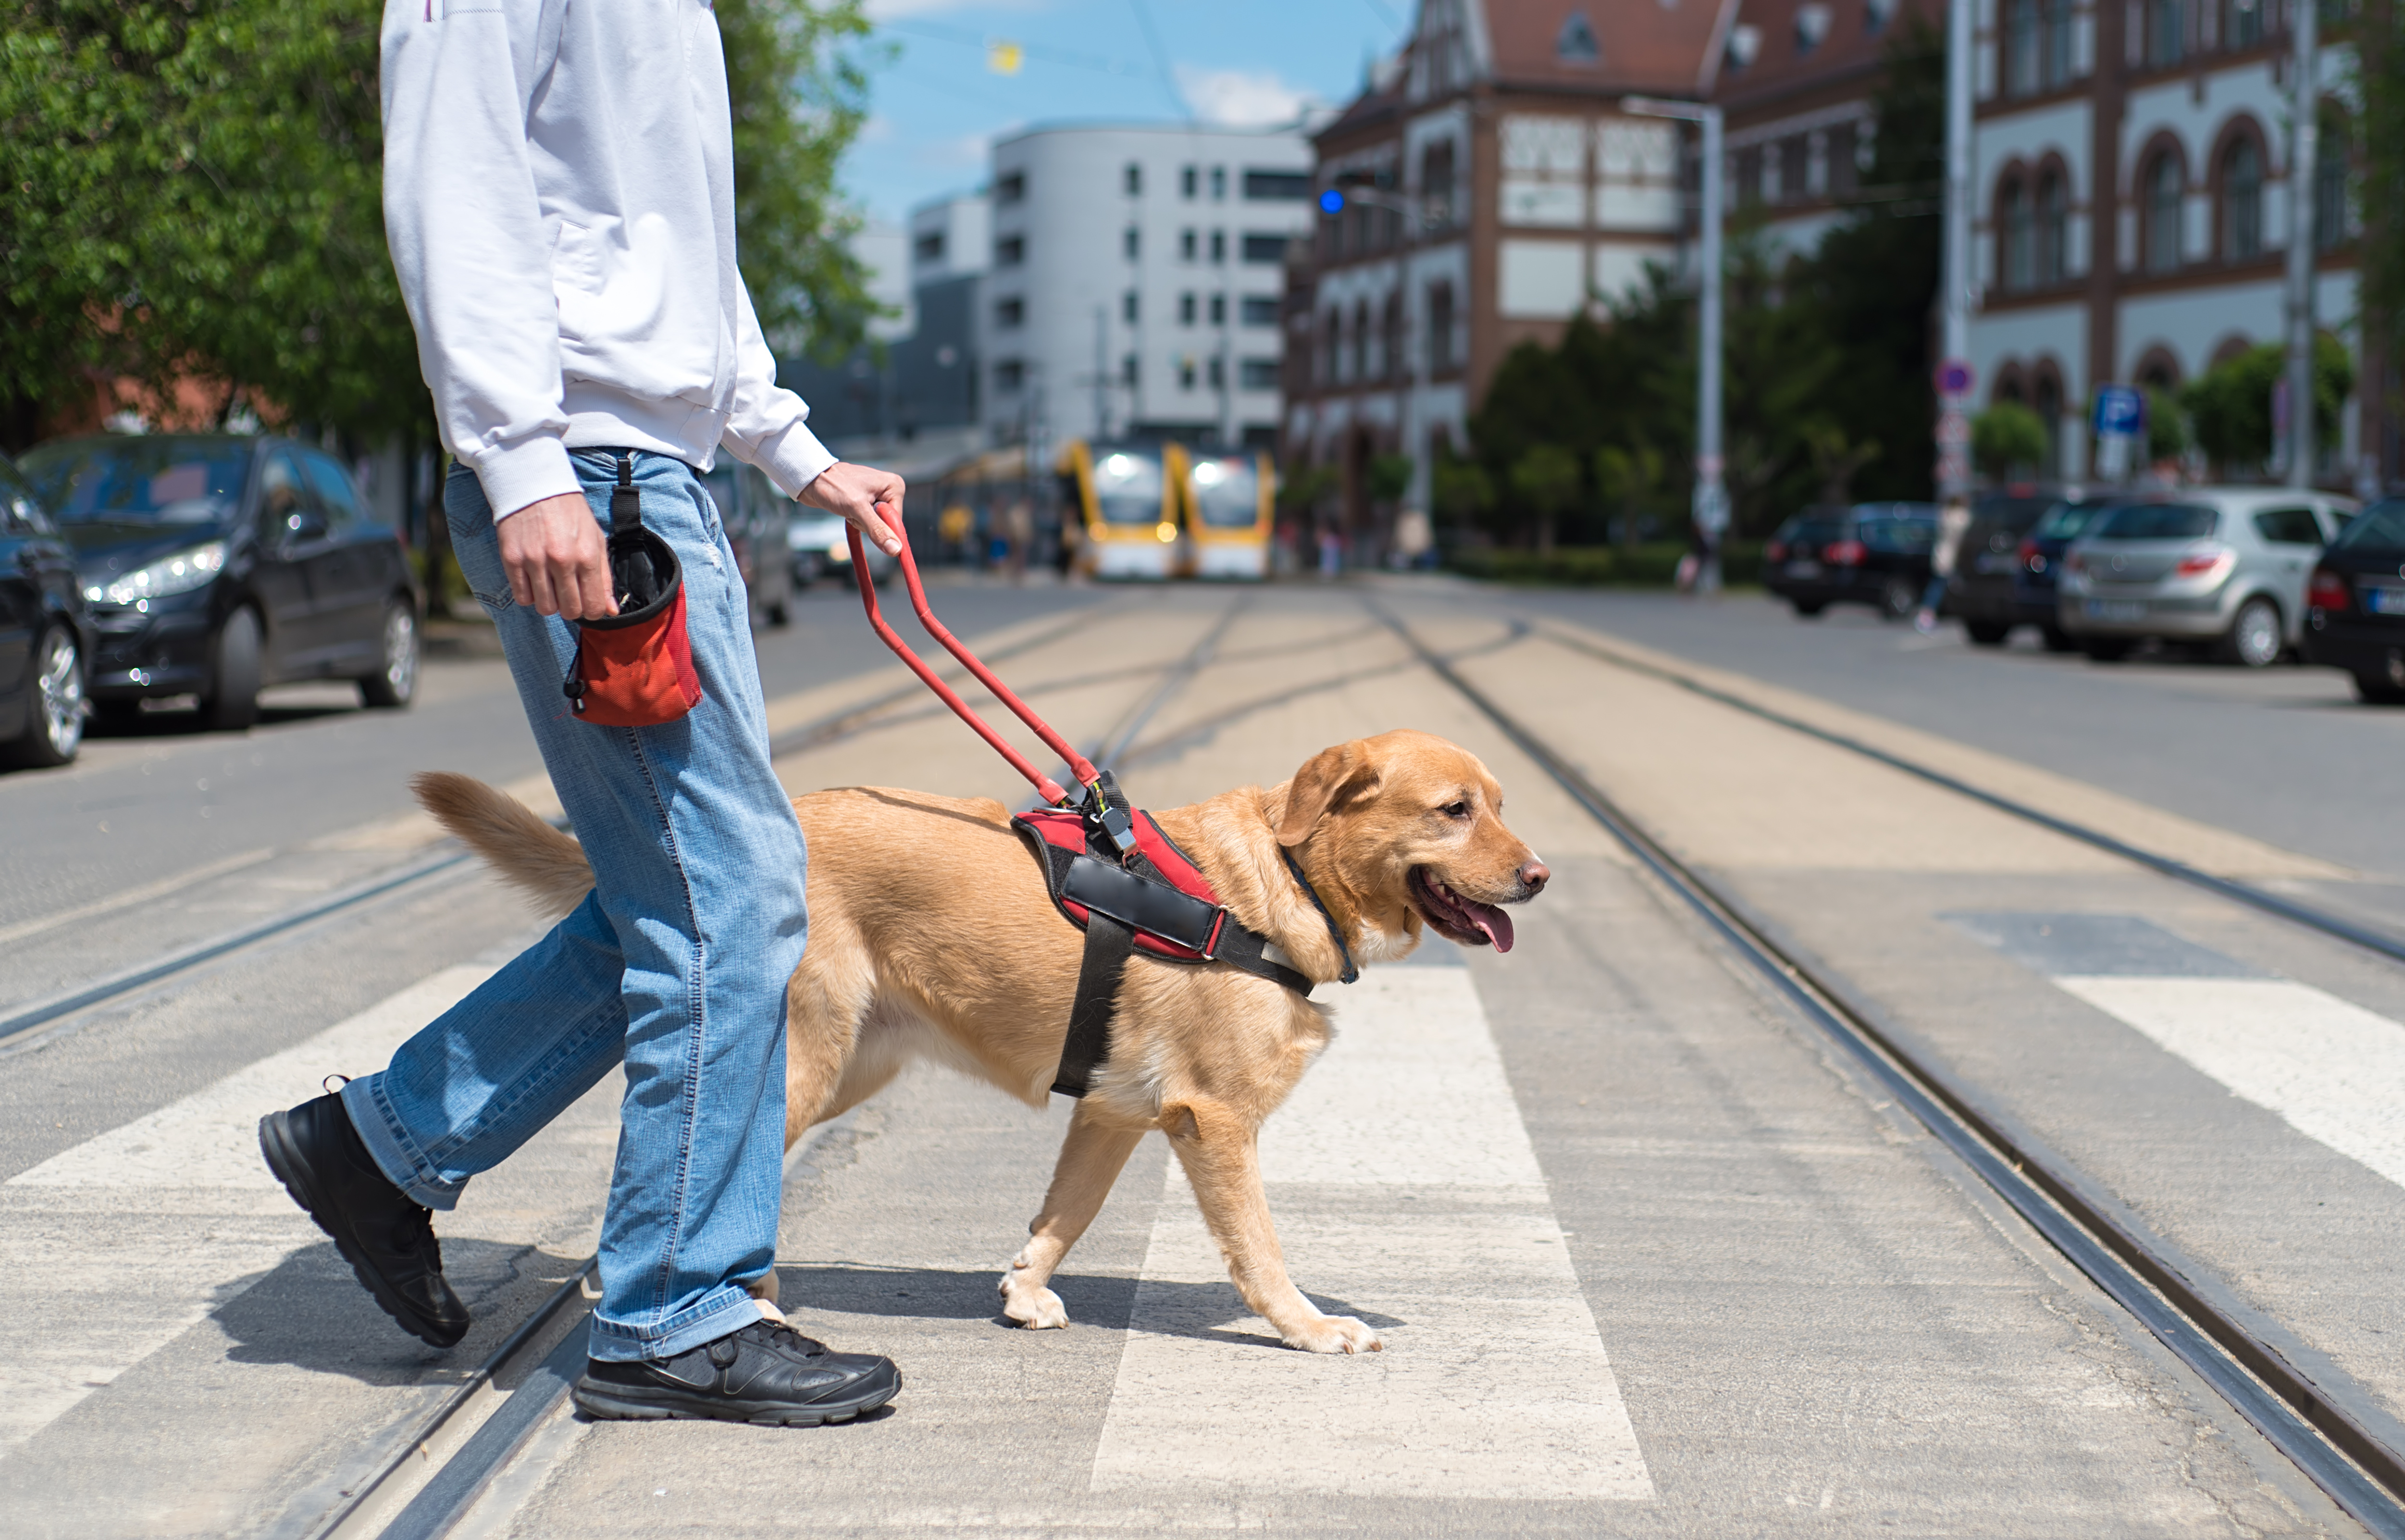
1031,1303
1333,1335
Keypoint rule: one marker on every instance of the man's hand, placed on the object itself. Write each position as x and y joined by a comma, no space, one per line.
556,558
854,491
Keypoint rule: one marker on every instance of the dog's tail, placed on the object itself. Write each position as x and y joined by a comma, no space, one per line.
539,861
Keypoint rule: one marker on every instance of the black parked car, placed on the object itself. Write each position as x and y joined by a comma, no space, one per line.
1872,553
45,636
2355,607
1982,591
2040,567
214,564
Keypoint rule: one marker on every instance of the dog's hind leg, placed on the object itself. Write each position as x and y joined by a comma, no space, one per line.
1217,1147
1091,1159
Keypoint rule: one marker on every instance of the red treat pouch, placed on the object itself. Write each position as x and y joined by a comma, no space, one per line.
635,670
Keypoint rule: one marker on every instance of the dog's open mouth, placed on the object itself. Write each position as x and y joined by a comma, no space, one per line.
1457,918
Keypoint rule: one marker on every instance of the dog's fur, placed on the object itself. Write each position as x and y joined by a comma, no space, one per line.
932,936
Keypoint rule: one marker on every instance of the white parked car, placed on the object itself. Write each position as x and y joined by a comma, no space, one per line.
820,549
2224,567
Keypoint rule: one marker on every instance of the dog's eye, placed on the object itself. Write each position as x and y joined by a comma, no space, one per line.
1456,809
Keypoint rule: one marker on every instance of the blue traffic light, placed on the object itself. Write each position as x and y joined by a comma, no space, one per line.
1331,201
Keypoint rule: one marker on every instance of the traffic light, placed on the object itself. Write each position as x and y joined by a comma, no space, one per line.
1331,201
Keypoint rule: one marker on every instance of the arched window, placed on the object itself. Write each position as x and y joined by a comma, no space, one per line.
1331,347
1394,340
2021,47
2053,219
2057,44
1361,340
2242,202
2165,186
2242,23
2018,235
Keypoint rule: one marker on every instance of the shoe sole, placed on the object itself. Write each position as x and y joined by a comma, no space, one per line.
290,1168
616,1404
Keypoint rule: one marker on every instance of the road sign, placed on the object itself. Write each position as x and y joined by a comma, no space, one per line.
2120,411
1953,428
1954,377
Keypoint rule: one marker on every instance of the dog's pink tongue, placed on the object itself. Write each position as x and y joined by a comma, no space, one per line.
1491,919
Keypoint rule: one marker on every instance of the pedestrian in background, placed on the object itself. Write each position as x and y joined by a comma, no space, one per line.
1953,523
559,200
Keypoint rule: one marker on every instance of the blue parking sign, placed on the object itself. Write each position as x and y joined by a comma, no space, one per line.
2120,411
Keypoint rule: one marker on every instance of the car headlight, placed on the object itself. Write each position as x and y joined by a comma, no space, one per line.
177,574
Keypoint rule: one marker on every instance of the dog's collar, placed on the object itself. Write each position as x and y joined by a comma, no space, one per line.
1334,934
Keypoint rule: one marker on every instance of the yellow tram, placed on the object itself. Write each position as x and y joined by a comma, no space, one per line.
1231,513
1128,498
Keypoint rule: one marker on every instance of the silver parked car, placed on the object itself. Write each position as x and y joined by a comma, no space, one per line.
2224,567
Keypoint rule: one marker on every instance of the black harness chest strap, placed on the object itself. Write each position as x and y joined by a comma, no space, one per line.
1109,946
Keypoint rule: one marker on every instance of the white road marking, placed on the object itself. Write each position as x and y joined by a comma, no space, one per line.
2334,1070
124,1242
1405,1190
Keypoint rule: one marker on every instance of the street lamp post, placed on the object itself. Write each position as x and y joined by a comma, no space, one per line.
1711,507
1954,303
2304,146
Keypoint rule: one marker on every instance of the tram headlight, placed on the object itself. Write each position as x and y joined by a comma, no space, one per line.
1165,531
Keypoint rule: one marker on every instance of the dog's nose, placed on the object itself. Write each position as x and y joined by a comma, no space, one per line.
1534,876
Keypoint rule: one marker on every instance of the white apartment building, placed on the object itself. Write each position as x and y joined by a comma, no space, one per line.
1134,282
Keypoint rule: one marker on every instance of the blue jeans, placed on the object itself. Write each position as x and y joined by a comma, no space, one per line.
675,963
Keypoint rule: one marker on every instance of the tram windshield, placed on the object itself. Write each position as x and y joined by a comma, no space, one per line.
1127,486
1227,492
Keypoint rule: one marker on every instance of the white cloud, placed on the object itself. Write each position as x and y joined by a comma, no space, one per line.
1237,98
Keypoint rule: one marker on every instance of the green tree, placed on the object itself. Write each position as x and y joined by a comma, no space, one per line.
1626,476
1389,477
2007,437
2231,403
2167,436
1462,490
1545,481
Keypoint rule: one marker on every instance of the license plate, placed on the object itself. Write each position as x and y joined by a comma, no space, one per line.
2384,600
2120,610
1803,569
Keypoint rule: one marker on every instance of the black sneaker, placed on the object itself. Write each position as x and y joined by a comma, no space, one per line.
764,1373
388,1240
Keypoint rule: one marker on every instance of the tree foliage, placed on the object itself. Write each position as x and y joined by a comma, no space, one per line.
191,197
2231,403
2007,437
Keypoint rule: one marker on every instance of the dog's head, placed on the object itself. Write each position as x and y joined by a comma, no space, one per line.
1412,828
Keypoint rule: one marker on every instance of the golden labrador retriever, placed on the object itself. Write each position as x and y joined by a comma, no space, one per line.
932,936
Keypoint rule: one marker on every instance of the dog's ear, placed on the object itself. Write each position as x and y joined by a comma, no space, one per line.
1328,782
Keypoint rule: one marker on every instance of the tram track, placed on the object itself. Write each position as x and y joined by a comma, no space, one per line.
2321,1422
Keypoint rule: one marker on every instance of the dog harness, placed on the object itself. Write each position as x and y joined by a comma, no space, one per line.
1116,876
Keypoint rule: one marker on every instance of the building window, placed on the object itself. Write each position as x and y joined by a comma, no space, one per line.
1186,308
1008,376
1267,186
1812,23
1186,247
1219,185
2057,44
1392,347
2159,242
2242,23
1128,307
1260,310
1218,309
2166,33
928,248
1009,313
1219,246
1188,183
1127,370
1794,155
1575,43
1436,183
2329,184
1331,347
2021,48
2053,230
1215,373
2242,202
1440,329
1749,175
1360,360
1262,249
1010,189
1132,244
1185,372
1844,174
1132,180
1257,375
1010,251
2019,232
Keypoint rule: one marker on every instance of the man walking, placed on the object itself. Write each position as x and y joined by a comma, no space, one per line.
560,201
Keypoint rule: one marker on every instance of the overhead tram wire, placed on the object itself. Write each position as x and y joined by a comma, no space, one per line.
2370,939
2315,1425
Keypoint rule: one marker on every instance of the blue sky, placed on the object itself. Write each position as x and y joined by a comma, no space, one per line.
936,103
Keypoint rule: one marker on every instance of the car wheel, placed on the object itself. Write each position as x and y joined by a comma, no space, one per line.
2254,641
2058,641
54,714
1987,634
2104,649
394,685
232,701
2378,689
1898,600
1808,611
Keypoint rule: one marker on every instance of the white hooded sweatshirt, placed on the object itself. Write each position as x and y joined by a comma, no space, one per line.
559,198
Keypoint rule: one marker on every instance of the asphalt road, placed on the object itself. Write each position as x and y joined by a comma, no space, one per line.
1650,1258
